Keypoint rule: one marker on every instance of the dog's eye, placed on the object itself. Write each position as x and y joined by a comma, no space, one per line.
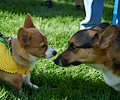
43,46
72,47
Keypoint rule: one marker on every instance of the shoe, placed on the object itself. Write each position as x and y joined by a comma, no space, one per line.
78,7
48,4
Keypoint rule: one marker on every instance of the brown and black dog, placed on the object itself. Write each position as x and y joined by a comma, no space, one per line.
98,47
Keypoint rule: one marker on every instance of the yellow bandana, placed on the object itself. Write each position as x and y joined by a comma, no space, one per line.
7,63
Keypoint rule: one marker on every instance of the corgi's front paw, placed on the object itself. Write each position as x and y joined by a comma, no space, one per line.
20,92
32,85
35,86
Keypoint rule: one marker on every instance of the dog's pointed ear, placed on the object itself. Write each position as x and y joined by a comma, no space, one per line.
24,37
28,21
97,28
104,38
101,26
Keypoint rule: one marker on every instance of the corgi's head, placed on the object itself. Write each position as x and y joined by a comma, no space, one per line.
90,46
33,41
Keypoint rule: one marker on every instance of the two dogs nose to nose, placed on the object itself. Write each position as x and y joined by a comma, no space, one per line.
54,53
56,60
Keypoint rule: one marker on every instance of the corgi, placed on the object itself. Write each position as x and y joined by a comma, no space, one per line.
98,47
29,46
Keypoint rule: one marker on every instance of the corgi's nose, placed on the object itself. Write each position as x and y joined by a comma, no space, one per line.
54,53
56,61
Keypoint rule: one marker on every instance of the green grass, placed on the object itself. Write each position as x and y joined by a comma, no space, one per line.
59,23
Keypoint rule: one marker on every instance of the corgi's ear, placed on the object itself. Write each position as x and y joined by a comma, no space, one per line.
28,21
101,26
98,28
104,38
24,37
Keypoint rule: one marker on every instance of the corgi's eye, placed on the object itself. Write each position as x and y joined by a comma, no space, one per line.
72,47
43,46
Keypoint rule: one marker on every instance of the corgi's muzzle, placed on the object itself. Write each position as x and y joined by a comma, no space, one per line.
50,52
64,63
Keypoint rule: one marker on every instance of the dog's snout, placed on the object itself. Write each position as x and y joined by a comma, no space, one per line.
56,61
61,62
54,53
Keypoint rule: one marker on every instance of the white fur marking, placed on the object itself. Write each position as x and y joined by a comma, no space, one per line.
110,78
20,92
60,63
42,33
15,36
26,80
97,66
49,52
33,59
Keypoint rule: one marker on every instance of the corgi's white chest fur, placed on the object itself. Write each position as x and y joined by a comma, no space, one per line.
110,78
33,60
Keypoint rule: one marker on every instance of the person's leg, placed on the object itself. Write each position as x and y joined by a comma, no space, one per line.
78,4
118,13
93,9
48,3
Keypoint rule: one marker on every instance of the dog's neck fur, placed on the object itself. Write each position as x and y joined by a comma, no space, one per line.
114,54
112,57
20,56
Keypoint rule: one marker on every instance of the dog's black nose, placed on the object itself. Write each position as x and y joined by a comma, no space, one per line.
56,61
54,53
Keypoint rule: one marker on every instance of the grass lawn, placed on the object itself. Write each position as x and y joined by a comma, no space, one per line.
59,23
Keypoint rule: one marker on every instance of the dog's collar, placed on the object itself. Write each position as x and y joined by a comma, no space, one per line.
7,41
7,62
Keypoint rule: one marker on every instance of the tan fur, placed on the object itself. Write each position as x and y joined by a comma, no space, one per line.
102,51
29,46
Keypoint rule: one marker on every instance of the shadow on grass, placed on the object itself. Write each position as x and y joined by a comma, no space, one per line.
71,88
56,86
37,8
62,88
